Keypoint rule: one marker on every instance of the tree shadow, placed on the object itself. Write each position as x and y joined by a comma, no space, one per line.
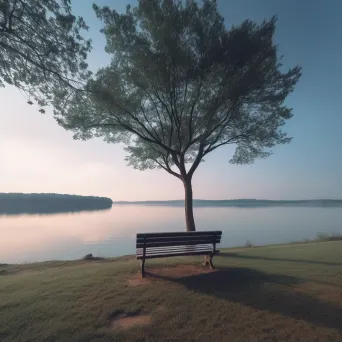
263,291
255,257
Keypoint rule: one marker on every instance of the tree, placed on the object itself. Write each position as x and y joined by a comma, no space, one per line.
180,85
41,48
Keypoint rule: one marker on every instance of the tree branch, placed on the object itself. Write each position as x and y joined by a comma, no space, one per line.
168,169
196,161
40,66
160,121
149,123
226,142
152,139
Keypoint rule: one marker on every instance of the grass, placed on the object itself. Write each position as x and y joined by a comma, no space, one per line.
285,292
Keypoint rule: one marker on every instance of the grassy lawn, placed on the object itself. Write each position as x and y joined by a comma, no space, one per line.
287,292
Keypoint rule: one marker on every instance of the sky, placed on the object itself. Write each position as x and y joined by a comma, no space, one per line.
37,155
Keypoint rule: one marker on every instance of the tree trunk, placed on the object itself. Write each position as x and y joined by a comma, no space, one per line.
189,214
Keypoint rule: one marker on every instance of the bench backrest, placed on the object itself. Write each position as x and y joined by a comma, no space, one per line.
148,240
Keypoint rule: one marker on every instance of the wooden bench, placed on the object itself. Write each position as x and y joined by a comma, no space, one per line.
162,245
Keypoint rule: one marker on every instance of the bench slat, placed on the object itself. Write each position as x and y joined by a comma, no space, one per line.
177,243
176,235
174,249
184,252
179,238
180,234
175,254
178,247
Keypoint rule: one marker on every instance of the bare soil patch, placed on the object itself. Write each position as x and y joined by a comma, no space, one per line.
165,273
136,280
178,271
160,309
127,320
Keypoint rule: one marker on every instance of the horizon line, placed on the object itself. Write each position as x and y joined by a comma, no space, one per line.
235,199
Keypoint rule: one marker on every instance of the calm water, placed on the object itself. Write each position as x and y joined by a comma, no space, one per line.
108,233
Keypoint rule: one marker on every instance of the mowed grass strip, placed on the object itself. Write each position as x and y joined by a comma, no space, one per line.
285,292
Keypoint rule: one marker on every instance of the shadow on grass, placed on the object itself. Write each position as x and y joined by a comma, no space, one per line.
262,291
255,257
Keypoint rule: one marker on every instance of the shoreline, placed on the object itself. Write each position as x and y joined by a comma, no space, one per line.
126,257
240,203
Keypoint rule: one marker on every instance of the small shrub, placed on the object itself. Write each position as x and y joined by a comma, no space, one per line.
326,237
248,244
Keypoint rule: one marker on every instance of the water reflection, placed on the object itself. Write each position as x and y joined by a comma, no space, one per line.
45,211
112,232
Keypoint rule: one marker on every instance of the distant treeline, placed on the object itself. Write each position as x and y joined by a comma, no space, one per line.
18,203
243,203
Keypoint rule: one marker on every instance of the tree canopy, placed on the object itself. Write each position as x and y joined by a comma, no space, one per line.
41,48
180,85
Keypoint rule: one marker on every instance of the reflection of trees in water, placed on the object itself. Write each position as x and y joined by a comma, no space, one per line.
14,204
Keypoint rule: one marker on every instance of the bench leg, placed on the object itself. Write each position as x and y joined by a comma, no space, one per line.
142,268
208,261
211,261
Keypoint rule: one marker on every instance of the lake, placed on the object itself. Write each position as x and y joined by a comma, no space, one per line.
109,233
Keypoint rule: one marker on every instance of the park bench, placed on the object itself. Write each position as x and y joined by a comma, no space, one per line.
162,245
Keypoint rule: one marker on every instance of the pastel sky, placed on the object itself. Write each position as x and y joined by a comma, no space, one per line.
36,155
